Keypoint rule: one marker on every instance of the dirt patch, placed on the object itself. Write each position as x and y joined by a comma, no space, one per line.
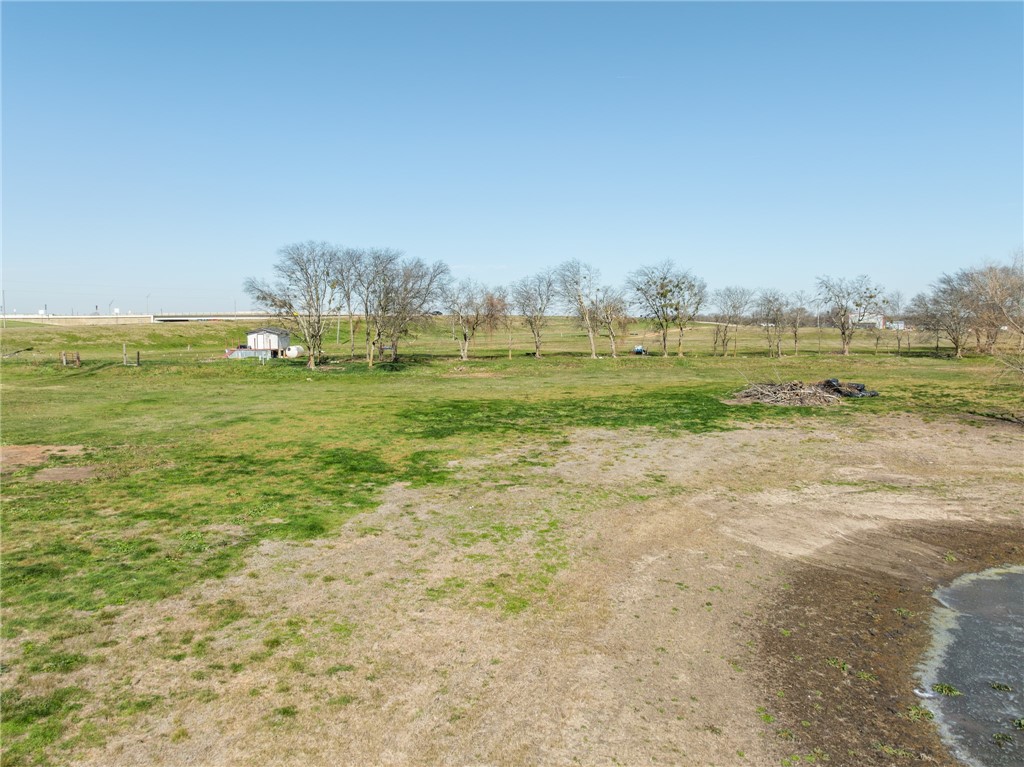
842,642
621,597
66,474
19,456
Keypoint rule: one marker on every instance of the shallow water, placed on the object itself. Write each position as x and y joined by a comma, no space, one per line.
978,643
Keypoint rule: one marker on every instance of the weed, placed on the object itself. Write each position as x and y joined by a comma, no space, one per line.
1001,687
916,713
765,716
839,664
946,689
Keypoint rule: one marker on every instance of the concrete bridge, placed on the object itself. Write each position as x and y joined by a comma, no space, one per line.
139,319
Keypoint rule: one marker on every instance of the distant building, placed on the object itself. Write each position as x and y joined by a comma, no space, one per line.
869,321
274,340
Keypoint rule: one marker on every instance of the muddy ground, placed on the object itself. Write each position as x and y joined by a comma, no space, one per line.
754,597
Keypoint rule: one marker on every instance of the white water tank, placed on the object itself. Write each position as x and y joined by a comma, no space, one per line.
294,351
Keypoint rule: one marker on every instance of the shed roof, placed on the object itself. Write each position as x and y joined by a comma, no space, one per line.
275,331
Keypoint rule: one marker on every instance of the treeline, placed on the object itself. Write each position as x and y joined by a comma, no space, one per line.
315,281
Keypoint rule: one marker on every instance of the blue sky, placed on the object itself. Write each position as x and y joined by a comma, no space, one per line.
169,149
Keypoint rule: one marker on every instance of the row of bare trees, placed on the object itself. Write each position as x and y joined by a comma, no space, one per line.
387,294
315,282
979,305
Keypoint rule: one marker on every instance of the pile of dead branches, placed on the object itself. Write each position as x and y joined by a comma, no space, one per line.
792,393
827,392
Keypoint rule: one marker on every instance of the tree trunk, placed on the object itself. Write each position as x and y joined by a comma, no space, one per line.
664,340
593,345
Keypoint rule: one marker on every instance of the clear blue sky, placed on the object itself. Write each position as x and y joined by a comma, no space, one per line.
169,149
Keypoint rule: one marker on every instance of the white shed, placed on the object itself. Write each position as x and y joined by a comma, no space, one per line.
274,340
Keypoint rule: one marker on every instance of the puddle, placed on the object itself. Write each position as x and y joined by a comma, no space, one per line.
978,648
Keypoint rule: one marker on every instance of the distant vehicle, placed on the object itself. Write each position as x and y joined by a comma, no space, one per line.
639,350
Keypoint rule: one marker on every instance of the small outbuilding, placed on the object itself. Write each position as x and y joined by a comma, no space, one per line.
274,340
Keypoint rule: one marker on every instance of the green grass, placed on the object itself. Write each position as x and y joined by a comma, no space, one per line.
199,459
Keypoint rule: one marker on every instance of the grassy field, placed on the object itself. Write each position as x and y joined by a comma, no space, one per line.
193,464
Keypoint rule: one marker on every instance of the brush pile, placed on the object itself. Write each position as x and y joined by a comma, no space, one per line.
827,392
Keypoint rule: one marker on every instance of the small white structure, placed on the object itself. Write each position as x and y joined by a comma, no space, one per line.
294,351
274,340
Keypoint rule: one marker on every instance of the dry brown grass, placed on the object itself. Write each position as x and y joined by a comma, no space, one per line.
644,560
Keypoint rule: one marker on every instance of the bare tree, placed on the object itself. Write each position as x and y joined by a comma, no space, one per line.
770,313
494,308
499,313
921,312
576,283
304,294
690,293
349,265
1003,286
395,293
797,315
668,298
990,309
894,307
372,281
609,309
651,287
848,302
952,307
733,303
531,297
465,302
411,289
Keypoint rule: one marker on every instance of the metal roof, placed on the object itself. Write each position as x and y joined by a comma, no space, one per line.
275,331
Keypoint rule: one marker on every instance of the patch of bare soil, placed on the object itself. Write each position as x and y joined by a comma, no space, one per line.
625,601
65,474
19,456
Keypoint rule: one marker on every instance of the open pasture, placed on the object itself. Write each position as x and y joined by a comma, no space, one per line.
499,561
